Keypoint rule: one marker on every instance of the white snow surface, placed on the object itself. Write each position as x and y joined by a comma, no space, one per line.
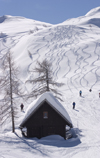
91,18
54,103
73,47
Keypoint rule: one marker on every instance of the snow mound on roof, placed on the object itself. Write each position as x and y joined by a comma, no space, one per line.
48,96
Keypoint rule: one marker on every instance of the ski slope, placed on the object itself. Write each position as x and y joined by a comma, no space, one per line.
85,144
73,47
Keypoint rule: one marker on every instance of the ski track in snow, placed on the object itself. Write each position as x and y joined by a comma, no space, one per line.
75,56
65,37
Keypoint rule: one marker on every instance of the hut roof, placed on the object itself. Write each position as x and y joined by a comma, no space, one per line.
53,102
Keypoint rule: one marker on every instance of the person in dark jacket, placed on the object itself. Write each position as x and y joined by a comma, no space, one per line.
73,105
22,106
80,93
90,90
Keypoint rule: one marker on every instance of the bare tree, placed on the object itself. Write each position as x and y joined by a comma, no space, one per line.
9,85
44,80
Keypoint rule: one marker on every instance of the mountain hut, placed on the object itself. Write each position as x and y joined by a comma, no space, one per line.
45,116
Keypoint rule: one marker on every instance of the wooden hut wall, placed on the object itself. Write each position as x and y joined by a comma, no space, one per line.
39,126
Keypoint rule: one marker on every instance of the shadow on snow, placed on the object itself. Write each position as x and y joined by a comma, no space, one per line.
54,140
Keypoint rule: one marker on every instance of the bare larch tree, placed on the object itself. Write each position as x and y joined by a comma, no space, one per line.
45,80
10,87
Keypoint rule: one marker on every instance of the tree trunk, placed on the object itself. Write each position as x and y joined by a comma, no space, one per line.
11,98
47,80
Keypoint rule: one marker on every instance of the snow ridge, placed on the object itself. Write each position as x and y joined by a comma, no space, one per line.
73,47
93,11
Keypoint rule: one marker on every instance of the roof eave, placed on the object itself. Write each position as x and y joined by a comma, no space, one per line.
22,124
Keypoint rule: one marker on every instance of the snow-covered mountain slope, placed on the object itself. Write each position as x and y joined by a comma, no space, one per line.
10,24
91,18
73,47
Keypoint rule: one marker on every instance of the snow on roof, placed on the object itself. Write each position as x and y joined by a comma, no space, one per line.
48,96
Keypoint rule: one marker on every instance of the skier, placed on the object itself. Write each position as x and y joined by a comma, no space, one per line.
90,90
80,93
73,105
22,106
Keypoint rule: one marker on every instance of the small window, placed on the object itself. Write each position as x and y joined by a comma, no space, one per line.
45,115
